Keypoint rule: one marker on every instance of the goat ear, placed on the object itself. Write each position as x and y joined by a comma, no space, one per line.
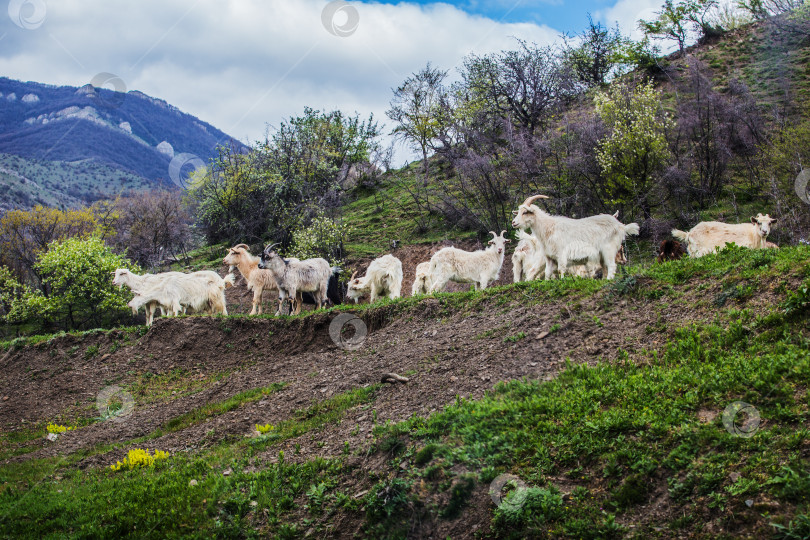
773,221
753,220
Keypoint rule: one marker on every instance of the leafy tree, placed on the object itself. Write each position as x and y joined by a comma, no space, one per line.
302,169
672,24
77,290
11,291
786,164
417,108
595,55
634,152
26,234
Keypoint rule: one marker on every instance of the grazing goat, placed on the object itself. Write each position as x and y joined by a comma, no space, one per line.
477,267
707,236
383,278
421,283
595,239
293,276
334,291
258,280
528,259
670,250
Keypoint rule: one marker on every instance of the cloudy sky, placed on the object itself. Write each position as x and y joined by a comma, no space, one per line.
242,65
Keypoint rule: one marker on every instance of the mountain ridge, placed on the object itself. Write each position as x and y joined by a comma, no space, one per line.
131,132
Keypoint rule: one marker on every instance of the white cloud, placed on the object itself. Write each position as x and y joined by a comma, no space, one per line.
627,13
246,63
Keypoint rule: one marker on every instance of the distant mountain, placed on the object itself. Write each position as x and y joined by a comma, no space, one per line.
25,183
126,135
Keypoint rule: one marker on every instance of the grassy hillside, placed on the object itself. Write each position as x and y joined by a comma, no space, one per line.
612,425
772,62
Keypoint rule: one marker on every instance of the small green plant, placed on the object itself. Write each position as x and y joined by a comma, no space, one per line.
267,428
459,495
513,339
527,509
425,455
90,352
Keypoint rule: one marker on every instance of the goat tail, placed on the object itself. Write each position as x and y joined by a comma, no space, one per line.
230,281
632,229
680,235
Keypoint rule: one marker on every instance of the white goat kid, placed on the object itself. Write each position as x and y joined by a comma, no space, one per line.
478,267
592,240
421,283
528,259
383,278
707,236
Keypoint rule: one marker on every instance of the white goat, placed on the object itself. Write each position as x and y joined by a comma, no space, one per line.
421,283
528,259
293,277
707,236
174,292
478,267
383,278
594,239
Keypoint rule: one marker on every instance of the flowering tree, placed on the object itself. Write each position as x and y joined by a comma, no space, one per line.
634,153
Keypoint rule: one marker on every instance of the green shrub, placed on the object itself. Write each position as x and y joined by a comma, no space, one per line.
77,290
525,510
323,238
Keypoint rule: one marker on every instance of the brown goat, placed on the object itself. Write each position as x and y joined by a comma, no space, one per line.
670,250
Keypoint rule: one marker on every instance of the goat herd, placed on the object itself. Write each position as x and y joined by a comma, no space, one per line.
555,246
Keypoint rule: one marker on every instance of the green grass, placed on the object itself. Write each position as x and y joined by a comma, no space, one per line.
160,502
209,410
317,415
150,387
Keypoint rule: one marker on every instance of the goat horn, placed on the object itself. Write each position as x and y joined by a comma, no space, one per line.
533,198
494,236
271,246
243,246
355,273
503,232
